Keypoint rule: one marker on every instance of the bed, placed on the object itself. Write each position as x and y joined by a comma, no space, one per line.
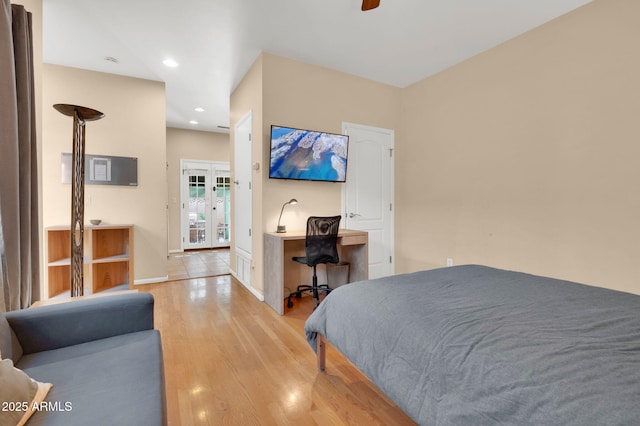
474,345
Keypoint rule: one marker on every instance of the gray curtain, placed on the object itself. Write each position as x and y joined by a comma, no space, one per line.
19,228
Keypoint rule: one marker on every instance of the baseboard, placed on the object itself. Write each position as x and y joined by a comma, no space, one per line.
176,251
258,296
152,280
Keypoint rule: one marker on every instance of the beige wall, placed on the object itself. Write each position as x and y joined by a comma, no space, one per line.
183,144
526,157
302,95
310,97
134,126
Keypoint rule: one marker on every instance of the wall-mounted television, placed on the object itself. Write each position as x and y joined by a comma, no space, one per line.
308,155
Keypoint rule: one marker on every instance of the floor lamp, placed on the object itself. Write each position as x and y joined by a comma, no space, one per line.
80,116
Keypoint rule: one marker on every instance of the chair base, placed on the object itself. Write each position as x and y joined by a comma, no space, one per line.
310,289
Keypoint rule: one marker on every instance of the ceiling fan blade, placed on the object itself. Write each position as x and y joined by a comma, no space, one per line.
370,4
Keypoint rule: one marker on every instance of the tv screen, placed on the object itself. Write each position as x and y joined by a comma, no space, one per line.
308,155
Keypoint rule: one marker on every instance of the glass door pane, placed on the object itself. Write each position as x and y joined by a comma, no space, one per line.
222,208
197,211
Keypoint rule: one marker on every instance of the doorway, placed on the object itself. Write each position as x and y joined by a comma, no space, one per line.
368,193
205,193
242,216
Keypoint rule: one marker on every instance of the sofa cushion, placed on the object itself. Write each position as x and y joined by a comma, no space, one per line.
117,380
78,321
20,393
9,345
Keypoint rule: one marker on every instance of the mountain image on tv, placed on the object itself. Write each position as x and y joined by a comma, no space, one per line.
308,155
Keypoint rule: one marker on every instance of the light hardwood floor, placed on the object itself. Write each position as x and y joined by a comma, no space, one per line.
198,264
231,360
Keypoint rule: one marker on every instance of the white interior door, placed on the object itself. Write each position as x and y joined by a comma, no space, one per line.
368,192
242,216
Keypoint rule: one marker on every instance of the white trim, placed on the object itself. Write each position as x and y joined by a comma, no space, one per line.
253,291
176,251
151,280
244,254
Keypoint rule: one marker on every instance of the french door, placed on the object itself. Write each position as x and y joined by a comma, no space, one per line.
205,204
222,207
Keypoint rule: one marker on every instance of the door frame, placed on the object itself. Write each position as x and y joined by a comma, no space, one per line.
246,161
391,133
242,260
211,167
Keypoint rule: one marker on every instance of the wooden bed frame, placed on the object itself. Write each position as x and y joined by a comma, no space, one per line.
321,349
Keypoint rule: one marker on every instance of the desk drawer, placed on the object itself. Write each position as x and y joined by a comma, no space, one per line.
352,240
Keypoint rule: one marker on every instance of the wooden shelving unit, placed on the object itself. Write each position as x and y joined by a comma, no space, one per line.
108,258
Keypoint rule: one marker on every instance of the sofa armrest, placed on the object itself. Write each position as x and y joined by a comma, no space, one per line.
66,324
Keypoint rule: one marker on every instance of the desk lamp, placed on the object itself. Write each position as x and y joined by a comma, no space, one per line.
282,228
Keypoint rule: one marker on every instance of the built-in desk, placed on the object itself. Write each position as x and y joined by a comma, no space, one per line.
281,272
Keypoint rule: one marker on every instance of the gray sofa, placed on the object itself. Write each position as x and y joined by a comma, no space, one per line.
102,355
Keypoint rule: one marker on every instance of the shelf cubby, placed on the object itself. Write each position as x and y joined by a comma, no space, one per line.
108,258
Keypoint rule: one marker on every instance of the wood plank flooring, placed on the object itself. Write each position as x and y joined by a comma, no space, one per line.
197,264
231,360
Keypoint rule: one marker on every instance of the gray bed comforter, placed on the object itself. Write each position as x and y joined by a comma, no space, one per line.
473,345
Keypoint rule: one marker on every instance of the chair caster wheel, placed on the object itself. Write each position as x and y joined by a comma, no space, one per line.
299,296
289,304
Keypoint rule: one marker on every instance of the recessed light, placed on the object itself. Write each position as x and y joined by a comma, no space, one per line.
193,122
171,63
199,109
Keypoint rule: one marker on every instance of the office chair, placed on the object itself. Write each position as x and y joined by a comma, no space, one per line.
320,247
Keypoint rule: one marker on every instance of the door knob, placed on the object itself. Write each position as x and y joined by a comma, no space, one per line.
352,215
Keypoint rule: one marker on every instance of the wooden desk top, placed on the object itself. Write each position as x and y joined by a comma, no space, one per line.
301,235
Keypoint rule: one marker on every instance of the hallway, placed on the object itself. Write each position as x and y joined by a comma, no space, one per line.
198,264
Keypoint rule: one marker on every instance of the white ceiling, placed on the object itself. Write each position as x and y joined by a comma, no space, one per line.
216,41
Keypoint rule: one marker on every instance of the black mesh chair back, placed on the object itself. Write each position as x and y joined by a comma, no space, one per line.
321,246
322,239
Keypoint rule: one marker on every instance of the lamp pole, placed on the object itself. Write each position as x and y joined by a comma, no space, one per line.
80,116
